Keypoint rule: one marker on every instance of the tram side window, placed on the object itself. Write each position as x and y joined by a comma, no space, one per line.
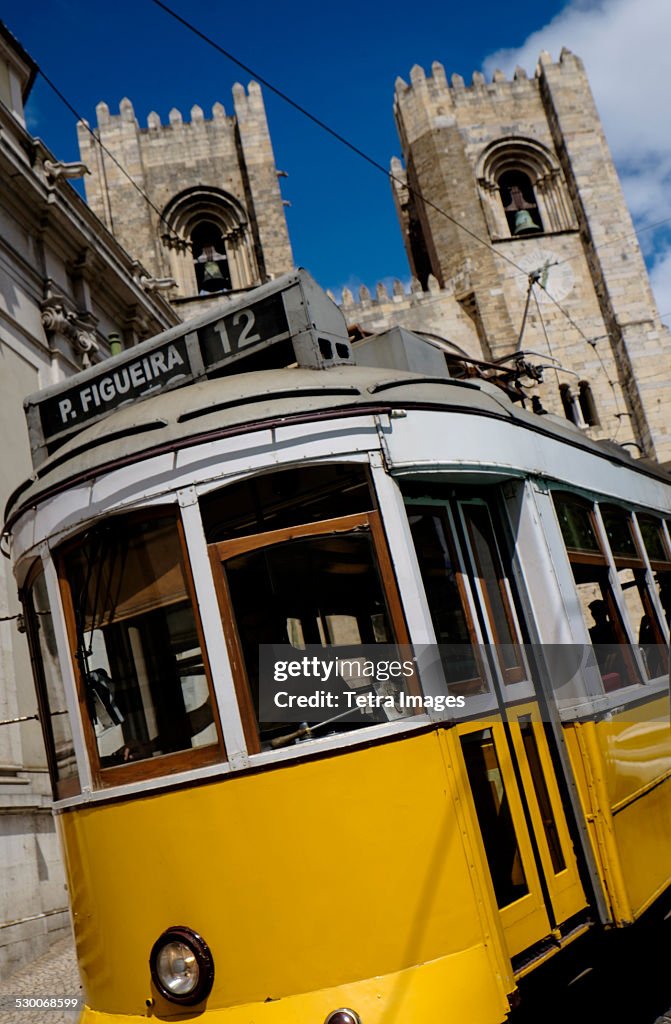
137,644
590,567
651,635
492,578
631,571
289,497
659,555
300,560
314,592
55,718
444,587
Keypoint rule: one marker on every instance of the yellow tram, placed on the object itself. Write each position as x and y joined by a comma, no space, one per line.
248,479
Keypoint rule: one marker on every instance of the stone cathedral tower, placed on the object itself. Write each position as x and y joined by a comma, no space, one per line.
222,224
524,166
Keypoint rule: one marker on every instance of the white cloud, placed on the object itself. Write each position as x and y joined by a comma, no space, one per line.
625,47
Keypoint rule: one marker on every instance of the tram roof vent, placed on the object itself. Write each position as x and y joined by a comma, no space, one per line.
399,349
286,322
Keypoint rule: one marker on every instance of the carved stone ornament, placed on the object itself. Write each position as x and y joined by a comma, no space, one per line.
56,169
59,316
153,284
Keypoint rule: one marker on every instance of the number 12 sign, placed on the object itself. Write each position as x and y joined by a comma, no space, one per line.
241,332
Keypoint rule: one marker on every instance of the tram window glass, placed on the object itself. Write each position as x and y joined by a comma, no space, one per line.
137,643
651,633
655,543
590,567
652,532
631,572
58,732
575,520
289,497
495,591
494,817
322,588
444,586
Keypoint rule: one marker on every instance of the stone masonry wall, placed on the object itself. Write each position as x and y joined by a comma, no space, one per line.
603,325
231,153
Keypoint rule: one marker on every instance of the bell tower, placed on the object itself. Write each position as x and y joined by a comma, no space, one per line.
217,221
506,179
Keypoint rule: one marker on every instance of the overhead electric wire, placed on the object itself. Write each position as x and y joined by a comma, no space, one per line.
532,291
356,149
96,138
418,195
330,131
620,238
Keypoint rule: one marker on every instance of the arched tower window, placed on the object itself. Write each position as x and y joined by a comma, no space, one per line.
519,203
522,190
209,241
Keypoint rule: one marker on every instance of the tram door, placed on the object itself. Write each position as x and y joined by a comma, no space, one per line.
506,763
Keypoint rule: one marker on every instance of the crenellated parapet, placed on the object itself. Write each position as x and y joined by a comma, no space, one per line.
217,170
435,311
127,121
429,101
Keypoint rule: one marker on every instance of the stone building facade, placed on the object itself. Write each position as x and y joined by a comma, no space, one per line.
503,179
66,285
522,165
499,180
217,217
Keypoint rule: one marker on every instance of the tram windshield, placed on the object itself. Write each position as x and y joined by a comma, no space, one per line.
136,641
301,565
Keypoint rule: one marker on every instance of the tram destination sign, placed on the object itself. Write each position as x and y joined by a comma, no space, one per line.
290,320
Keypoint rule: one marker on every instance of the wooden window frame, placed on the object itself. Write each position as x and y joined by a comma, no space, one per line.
222,551
163,764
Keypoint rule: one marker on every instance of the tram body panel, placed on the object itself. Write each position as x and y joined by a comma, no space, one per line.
623,770
323,875
440,990
508,448
302,878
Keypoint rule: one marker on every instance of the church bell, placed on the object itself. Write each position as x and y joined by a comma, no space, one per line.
524,223
213,280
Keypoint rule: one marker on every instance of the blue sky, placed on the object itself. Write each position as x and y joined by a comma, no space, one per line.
341,61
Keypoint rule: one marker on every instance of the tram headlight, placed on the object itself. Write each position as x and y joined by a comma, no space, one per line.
343,1016
181,966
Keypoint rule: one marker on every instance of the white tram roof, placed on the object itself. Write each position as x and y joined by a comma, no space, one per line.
238,404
